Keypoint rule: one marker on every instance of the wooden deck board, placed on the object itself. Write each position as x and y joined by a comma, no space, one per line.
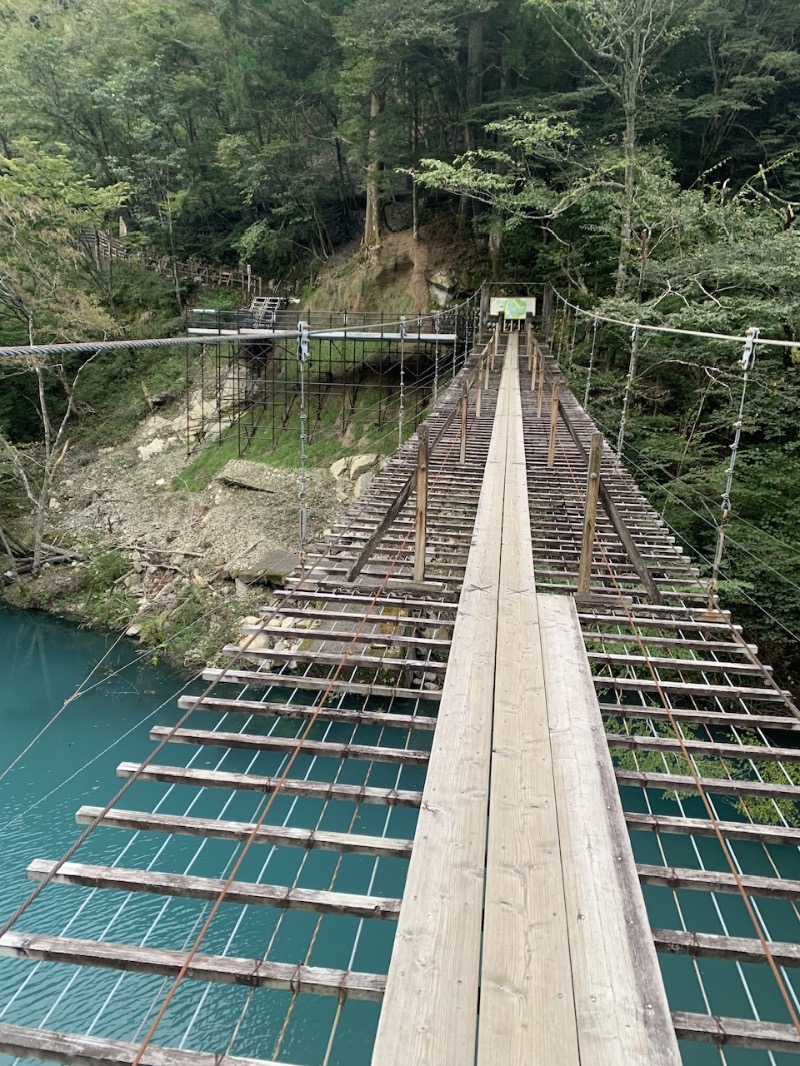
50,1046
622,1010
211,888
219,969
429,1015
526,975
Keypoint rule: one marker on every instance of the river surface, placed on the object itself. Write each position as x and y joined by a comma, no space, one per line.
74,763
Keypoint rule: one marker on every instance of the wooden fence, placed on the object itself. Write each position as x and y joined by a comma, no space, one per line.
102,246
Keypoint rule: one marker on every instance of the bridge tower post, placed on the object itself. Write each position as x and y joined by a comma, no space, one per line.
422,504
590,515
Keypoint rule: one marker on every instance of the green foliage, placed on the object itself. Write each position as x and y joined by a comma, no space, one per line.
642,155
44,206
104,570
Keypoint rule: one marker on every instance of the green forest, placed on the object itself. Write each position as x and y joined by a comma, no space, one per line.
640,155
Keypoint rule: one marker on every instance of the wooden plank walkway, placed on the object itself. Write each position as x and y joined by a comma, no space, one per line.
527,969
430,1004
562,967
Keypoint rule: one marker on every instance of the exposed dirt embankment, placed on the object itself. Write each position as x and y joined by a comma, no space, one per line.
168,565
403,275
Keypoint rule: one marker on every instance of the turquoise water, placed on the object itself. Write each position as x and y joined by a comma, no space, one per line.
723,988
75,763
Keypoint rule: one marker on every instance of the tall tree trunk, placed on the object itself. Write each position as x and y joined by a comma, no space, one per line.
372,224
474,75
626,223
495,242
474,97
415,124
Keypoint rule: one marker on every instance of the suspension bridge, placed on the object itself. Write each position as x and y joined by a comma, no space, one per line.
497,723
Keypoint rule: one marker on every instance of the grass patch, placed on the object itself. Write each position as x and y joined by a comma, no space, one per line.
208,462
364,430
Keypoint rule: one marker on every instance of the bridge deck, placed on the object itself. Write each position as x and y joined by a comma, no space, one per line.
446,736
532,938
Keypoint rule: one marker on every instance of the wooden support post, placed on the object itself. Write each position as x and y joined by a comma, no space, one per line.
590,517
478,379
551,449
486,372
622,531
541,384
533,364
484,312
529,339
464,413
496,343
422,504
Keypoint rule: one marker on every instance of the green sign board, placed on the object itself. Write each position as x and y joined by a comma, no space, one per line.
515,309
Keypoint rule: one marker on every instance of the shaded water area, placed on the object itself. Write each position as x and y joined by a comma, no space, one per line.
75,763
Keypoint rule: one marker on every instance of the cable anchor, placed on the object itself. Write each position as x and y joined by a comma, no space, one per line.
749,354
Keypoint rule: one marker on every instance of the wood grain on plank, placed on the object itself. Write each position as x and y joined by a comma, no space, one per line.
51,1046
223,829
527,1009
622,1010
324,790
224,969
429,1015
210,888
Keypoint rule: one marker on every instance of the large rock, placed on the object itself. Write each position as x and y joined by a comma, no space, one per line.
155,426
155,447
363,463
244,474
363,483
441,286
269,568
254,641
339,468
